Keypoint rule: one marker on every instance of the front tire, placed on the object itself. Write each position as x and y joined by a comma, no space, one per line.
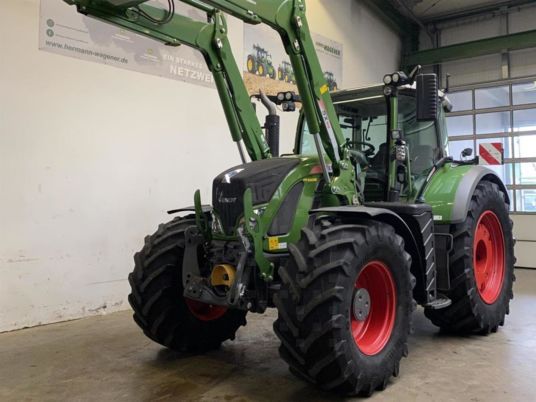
481,266
251,64
161,310
329,335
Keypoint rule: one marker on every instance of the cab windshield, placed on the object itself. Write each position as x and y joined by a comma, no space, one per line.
364,125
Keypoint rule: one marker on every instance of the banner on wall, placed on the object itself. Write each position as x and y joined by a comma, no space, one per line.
267,66
64,31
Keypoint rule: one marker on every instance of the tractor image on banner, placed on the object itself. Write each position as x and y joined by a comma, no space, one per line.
366,219
331,80
263,51
286,73
260,63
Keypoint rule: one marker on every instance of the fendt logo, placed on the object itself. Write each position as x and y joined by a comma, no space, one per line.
226,200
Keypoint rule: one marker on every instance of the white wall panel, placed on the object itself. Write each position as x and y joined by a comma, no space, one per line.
523,63
470,32
524,20
470,71
526,240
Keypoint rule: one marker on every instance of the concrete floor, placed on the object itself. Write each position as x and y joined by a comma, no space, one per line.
108,359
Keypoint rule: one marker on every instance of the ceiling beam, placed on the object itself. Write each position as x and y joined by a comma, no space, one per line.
472,11
517,41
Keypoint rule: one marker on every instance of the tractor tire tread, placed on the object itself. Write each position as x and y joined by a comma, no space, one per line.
310,327
156,295
468,313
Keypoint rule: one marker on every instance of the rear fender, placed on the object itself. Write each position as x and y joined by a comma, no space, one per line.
451,188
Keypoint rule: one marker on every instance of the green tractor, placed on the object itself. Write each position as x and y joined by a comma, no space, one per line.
368,218
332,82
261,63
286,73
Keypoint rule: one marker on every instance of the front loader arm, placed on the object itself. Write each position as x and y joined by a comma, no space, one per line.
288,18
211,40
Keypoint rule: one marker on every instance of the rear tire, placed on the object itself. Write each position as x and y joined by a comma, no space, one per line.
160,308
481,298
321,338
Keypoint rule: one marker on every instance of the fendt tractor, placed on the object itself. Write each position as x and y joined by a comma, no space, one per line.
261,63
368,218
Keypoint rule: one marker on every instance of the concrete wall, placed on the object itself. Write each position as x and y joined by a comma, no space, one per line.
92,156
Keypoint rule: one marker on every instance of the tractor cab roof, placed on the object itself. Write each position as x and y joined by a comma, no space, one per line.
374,92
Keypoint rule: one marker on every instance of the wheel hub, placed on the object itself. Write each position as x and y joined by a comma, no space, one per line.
488,257
361,305
373,309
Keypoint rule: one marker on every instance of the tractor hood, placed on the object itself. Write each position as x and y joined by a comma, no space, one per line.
262,177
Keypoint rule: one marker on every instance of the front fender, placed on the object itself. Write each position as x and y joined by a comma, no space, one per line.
450,190
354,214
380,215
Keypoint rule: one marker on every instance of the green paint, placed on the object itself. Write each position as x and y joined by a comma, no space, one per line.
393,126
441,190
517,41
200,218
256,228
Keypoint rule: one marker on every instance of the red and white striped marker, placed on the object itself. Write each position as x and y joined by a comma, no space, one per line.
491,153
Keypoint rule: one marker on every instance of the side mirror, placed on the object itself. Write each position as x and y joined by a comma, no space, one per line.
427,97
467,152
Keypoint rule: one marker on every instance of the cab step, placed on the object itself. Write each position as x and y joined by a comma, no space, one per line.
439,303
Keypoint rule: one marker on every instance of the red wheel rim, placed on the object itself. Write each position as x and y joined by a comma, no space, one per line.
372,334
205,312
488,257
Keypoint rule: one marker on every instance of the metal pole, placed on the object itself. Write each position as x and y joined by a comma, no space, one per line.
241,151
319,149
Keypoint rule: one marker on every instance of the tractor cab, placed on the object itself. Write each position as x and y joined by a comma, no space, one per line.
364,120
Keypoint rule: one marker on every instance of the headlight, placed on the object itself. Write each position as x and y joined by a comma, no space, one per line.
216,225
387,79
396,78
259,211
